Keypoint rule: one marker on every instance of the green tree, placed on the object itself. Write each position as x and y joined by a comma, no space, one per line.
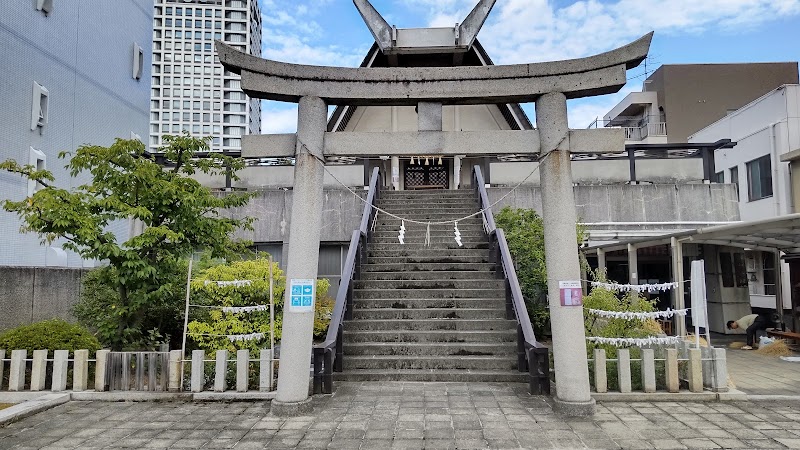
178,213
211,324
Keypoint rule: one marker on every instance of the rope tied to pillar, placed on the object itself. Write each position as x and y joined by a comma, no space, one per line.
538,160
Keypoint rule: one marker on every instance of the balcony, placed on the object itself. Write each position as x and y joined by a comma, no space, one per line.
640,129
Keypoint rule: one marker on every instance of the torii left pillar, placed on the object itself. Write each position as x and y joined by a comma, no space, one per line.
304,233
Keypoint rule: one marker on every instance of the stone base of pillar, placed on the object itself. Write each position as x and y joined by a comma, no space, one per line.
291,409
574,409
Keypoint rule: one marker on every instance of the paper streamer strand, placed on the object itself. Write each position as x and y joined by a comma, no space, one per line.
244,309
637,342
235,283
628,315
651,288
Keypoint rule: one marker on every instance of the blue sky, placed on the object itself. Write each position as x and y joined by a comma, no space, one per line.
331,32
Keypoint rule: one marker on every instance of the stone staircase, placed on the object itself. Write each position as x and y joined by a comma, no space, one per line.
429,313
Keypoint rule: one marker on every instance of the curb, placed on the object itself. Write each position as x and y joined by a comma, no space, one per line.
31,407
683,396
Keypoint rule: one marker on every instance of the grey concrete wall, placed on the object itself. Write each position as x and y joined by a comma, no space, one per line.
32,294
638,203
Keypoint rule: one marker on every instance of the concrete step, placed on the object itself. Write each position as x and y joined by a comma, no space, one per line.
483,324
412,209
427,313
427,294
428,275
453,285
440,251
440,235
394,362
388,225
429,336
463,376
438,193
426,303
408,266
419,245
429,260
434,216
432,348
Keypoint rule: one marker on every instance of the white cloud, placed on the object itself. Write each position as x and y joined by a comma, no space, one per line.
278,118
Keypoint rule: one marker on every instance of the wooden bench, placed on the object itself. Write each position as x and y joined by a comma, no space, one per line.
784,335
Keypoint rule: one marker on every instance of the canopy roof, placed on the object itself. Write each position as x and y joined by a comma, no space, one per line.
777,233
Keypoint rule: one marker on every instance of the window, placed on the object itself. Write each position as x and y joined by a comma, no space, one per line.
138,62
726,267
740,267
719,177
39,107
768,267
37,160
45,6
759,178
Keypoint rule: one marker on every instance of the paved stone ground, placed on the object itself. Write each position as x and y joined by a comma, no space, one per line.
757,374
410,416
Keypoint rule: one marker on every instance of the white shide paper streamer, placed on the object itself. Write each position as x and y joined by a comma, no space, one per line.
636,342
243,309
245,337
628,315
235,283
651,288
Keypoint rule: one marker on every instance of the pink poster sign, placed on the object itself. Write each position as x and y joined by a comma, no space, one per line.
571,293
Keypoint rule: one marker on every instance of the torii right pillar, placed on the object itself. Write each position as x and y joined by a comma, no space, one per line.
573,397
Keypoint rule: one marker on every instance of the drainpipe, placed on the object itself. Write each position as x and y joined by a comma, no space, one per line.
775,173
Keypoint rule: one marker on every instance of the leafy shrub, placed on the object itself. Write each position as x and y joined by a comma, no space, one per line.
54,334
211,325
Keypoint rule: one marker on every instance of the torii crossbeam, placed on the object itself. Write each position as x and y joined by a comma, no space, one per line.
547,84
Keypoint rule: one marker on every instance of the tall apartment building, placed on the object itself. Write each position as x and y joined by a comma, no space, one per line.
73,73
191,91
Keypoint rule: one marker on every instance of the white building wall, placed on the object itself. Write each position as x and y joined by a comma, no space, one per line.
191,90
769,125
82,53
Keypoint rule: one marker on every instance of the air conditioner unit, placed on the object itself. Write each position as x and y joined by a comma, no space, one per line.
46,6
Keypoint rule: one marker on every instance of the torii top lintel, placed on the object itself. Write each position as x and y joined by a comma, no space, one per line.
519,83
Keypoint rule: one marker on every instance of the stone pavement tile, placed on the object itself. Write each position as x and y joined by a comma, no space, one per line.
633,444
600,444
469,434
503,443
283,442
221,443
370,444
319,434
349,434
442,433
402,434
408,444
789,442
449,444
730,443
158,443
762,443
716,433
471,444
667,444
251,445
189,443
654,434
699,443
776,434
567,443
379,434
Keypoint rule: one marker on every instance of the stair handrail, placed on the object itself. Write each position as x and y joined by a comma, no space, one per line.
328,356
532,355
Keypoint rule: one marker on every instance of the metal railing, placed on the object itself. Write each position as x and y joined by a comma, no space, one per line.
532,356
636,128
328,356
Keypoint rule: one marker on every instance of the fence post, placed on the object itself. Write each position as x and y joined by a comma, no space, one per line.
265,366
624,369
648,370
80,371
16,379
101,370
175,374
220,370
60,361
600,373
671,370
198,370
720,370
242,369
39,370
695,370
2,366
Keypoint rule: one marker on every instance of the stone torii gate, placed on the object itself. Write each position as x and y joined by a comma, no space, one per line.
547,84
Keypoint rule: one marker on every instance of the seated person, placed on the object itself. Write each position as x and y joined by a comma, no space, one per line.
751,323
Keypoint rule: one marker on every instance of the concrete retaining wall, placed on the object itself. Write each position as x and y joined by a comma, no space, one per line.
31,294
